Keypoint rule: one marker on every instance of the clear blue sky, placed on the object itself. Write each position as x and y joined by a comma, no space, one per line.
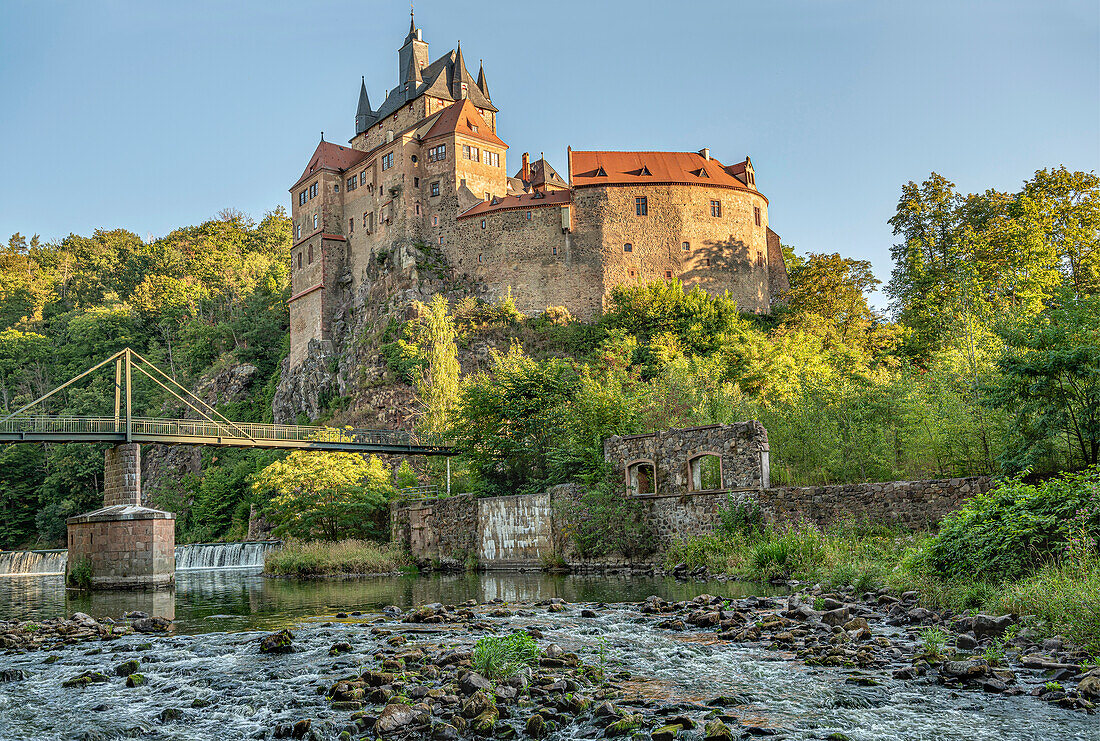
151,115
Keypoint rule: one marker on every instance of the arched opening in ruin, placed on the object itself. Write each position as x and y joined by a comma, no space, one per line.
641,478
705,472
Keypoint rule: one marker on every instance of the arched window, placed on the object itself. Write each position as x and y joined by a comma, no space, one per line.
310,255
641,478
705,472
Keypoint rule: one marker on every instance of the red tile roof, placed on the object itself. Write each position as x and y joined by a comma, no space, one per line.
462,117
329,156
621,168
519,202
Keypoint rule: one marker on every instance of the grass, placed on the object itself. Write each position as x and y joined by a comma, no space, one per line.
496,658
326,558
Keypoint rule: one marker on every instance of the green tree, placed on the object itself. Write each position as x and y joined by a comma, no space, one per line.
327,495
1050,381
437,387
831,291
508,420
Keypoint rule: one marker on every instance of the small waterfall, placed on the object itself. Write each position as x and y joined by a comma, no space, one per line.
224,555
16,563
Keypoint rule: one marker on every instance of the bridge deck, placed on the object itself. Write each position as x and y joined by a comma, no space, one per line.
62,429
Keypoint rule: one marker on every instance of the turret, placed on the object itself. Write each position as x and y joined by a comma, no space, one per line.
364,116
481,83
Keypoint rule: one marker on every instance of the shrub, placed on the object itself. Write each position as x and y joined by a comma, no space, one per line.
603,521
740,517
1011,530
498,657
80,575
800,549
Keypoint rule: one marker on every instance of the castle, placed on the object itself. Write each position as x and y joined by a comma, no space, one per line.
428,167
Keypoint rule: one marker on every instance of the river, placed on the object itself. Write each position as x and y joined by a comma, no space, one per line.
210,667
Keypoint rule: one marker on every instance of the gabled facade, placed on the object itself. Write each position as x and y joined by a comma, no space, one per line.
427,166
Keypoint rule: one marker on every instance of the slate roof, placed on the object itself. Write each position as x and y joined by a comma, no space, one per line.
441,79
622,168
329,156
542,174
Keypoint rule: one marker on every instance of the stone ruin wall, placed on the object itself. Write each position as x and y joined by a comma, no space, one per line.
527,531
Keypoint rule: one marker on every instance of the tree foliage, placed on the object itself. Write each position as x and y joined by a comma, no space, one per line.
327,495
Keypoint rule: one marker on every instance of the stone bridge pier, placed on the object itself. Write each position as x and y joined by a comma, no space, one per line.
124,545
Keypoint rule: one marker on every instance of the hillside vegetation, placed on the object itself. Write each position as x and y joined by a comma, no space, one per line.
988,360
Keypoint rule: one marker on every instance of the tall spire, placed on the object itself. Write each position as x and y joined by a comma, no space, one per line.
414,34
412,79
460,75
481,84
364,116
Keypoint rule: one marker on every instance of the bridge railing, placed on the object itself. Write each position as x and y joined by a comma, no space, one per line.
148,427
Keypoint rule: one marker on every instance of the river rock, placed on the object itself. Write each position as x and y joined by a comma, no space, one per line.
987,625
716,730
394,717
84,679
972,669
472,682
150,625
12,675
127,667
136,680
965,642
1089,687
839,616
277,643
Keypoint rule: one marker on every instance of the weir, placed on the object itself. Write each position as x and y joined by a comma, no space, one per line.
16,563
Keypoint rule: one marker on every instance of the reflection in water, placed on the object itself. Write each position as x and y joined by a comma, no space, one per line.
206,601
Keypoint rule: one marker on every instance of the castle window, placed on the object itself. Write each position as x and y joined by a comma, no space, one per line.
555,249
414,159
631,273
756,214
363,177
441,240
297,231
752,178
488,196
759,257
435,221
685,247
438,153
435,188
528,215
641,206
483,223
336,187
416,182
311,254
353,182
364,220
706,262
716,208
473,128
492,158
418,209
479,258
387,161
314,221
351,225
299,260
628,247
302,198
313,191
668,273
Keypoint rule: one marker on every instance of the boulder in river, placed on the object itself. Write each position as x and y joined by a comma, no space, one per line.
277,643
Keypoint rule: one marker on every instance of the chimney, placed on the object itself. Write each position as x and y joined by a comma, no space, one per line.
705,153
525,174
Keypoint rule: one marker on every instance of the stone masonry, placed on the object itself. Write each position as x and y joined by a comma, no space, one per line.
127,547
122,475
741,449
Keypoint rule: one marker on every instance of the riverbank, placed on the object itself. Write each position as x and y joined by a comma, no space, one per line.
812,665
